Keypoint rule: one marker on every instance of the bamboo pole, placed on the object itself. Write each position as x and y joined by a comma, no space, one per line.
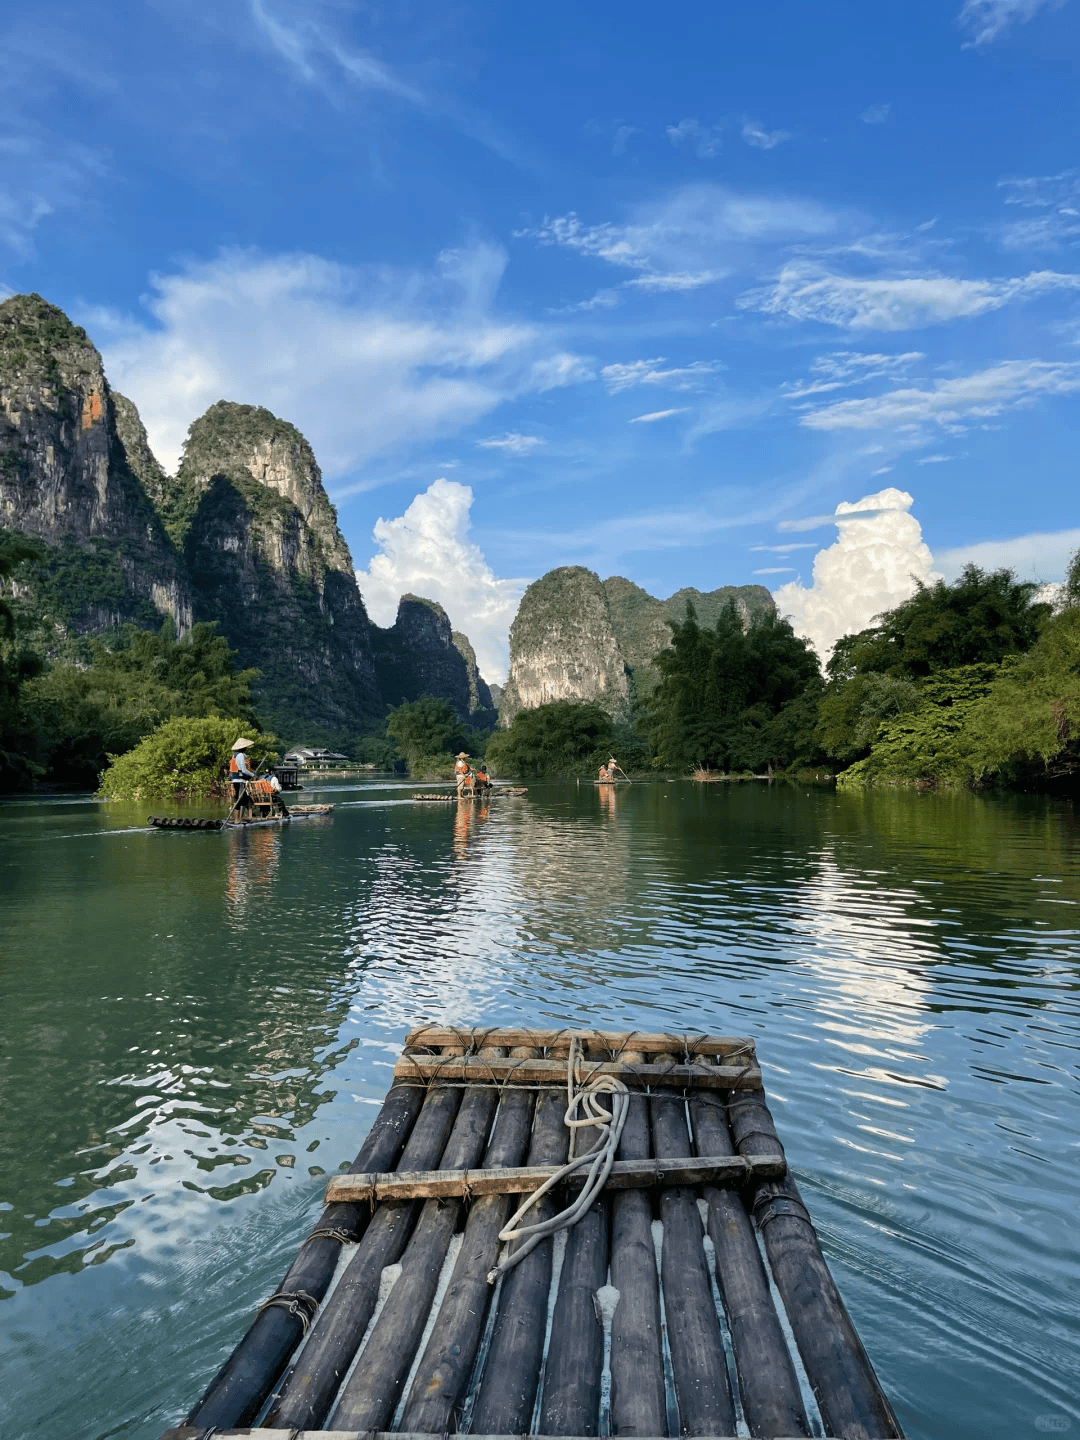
698,1362
369,1397
504,1404
639,1043
849,1396
571,1397
469,1069
768,1387
443,1373
638,1404
308,1392
237,1393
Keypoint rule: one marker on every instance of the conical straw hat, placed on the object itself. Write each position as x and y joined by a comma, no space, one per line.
243,744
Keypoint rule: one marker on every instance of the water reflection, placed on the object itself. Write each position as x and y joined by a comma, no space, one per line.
194,1028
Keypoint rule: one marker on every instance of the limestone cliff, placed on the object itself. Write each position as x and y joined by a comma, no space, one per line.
563,646
421,655
482,703
269,564
68,478
576,637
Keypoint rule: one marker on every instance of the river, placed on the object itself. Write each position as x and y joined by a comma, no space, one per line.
197,1028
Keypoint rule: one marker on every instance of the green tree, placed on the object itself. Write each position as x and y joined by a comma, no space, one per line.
428,732
187,758
850,713
565,737
721,688
977,620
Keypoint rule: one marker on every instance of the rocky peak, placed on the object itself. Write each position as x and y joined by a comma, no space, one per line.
563,646
480,693
420,655
66,477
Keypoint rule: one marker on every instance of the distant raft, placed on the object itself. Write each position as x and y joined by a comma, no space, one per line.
192,822
451,797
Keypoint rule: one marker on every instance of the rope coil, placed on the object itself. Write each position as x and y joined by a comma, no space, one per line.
599,1159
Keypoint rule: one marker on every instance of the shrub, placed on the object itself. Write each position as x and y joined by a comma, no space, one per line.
184,759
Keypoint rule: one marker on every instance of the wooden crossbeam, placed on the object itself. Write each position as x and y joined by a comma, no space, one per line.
436,1036
191,1432
476,1069
625,1175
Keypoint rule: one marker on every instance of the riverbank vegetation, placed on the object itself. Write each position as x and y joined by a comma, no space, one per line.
183,759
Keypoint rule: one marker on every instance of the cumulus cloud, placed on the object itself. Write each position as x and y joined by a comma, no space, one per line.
1042,556
873,565
804,291
705,139
951,404
755,134
512,444
657,415
987,19
361,359
427,551
647,372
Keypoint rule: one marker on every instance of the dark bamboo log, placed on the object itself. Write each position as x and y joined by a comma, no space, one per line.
370,1395
504,1404
239,1390
849,1396
616,1041
698,1363
638,1404
768,1386
443,1374
471,1069
571,1398
309,1391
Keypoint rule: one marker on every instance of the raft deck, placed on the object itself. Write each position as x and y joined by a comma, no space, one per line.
194,822
691,1299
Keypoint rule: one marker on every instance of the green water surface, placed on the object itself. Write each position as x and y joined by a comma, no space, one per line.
197,1028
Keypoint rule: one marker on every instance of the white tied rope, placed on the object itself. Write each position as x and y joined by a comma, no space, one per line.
599,1159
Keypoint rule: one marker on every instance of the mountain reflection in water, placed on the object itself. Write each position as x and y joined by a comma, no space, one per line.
198,1027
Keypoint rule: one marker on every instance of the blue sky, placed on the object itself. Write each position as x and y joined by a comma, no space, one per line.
656,286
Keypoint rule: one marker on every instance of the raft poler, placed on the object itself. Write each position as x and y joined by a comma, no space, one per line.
240,772
462,773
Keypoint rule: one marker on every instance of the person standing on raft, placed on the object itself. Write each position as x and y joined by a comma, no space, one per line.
240,772
462,773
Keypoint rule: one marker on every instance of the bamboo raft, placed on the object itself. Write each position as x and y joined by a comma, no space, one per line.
692,1298
451,797
192,822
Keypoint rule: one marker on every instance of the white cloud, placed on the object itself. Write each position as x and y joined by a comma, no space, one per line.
1041,557
755,134
512,444
645,372
844,368
677,280
934,459
43,174
776,570
657,415
987,19
1057,197
361,360
706,139
804,291
876,114
952,404
872,566
697,231
787,549
427,551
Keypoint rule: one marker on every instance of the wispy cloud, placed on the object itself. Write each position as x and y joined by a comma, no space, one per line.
787,549
844,368
1056,198
934,459
678,280
657,415
42,174
648,372
1043,556
987,19
876,114
705,140
755,134
806,292
512,444
777,570
428,350
951,404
